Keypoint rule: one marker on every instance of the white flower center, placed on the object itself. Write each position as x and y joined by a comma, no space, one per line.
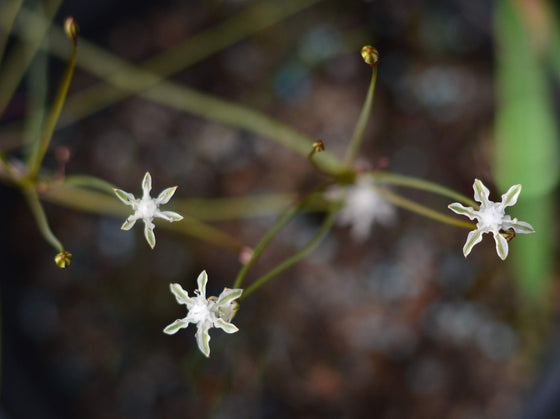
491,216
199,311
146,208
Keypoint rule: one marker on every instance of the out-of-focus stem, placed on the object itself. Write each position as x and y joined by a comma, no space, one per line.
422,210
424,185
8,13
16,63
102,203
41,146
288,263
188,52
126,76
270,234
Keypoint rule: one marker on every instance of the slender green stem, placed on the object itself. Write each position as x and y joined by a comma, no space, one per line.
280,223
358,135
89,182
41,146
422,210
288,263
41,219
424,185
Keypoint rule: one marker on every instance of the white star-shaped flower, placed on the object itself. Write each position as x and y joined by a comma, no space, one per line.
492,218
204,312
147,208
362,206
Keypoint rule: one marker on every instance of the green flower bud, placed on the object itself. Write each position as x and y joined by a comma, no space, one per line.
370,55
63,259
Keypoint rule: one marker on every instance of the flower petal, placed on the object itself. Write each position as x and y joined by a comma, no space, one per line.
176,326
502,247
201,281
149,234
129,223
147,184
461,210
474,237
520,227
125,197
181,295
481,192
225,326
169,216
203,340
228,295
165,195
510,197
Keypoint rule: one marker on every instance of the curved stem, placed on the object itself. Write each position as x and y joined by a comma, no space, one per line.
358,134
323,230
422,210
41,218
424,185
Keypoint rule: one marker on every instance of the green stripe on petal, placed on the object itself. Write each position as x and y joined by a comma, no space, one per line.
228,295
175,326
169,216
461,210
510,197
481,192
225,326
522,227
149,234
129,223
180,294
474,237
502,247
125,197
203,341
147,184
165,195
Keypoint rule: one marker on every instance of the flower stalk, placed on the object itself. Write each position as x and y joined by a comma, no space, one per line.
40,147
371,57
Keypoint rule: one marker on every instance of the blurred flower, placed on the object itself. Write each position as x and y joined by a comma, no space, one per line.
362,206
147,208
205,313
491,218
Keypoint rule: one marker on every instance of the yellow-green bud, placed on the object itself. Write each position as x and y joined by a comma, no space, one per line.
370,55
318,146
63,259
71,28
